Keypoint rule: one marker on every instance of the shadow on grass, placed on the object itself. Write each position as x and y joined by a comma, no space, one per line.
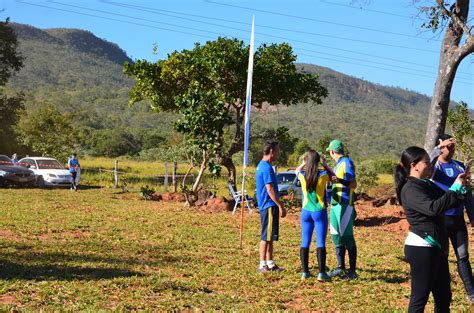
13,271
388,276
376,221
27,264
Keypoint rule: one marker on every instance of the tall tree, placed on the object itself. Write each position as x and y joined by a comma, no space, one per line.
10,107
48,132
453,50
221,66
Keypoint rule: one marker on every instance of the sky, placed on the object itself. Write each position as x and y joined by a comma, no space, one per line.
380,41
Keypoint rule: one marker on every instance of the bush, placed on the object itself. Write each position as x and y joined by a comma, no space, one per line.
384,166
146,192
366,176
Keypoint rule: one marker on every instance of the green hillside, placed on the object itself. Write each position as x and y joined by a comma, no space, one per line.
82,74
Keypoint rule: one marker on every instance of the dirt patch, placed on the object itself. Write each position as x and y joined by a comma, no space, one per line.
216,205
171,196
387,217
9,235
8,299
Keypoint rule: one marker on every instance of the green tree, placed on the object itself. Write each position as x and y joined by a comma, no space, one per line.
48,132
202,120
462,126
221,66
10,107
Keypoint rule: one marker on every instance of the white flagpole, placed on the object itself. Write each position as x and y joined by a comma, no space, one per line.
248,104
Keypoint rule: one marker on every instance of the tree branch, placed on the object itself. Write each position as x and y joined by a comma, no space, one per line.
455,18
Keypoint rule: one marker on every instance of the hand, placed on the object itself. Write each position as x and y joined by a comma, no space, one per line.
323,160
334,179
282,211
461,179
445,143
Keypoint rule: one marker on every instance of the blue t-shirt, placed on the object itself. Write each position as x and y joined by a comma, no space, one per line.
444,175
265,175
73,163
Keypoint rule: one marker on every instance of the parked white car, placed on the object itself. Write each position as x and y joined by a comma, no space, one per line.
48,171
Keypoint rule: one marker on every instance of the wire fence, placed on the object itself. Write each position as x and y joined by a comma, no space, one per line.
122,179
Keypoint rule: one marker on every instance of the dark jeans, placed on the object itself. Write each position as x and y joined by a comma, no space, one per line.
457,232
73,183
429,272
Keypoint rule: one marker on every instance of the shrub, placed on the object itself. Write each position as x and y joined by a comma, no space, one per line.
146,192
366,176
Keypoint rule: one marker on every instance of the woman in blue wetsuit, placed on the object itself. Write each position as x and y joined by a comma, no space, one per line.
314,212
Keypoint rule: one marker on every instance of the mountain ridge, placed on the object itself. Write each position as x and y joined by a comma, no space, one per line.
73,68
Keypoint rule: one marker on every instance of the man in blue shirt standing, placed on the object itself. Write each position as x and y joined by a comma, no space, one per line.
270,207
73,165
445,171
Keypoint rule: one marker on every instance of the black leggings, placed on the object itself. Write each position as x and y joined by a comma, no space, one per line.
457,232
429,272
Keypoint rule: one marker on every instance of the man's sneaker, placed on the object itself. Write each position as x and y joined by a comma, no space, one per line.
323,277
338,271
351,275
275,268
470,299
263,269
305,275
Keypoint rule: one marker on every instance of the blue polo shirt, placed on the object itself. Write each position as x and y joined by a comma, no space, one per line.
265,175
73,163
444,175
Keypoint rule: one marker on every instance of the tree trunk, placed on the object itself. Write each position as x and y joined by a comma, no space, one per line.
236,146
205,159
451,56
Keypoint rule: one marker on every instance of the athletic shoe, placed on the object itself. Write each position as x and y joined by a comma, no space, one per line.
338,271
305,275
263,269
323,277
351,275
470,298
275,268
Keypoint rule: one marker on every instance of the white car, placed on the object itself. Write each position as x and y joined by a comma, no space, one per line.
48,171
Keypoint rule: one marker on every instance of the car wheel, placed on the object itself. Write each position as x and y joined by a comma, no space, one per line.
40,181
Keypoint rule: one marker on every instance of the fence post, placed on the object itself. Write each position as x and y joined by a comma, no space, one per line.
165,187
175,182
116,177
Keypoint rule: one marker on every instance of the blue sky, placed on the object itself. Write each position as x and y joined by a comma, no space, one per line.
378,40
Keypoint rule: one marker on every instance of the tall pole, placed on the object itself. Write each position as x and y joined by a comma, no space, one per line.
248,105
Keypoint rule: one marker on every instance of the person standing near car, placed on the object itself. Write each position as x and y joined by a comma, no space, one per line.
342,213
15,159
426,245
314,212
74,166
270,207
445,171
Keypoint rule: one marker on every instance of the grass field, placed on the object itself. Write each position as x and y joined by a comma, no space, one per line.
98,249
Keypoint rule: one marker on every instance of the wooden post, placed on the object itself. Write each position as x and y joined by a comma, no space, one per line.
175,181
116,177
165,186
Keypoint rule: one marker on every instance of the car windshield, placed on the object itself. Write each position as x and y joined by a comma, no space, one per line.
285,178
4,160
49,164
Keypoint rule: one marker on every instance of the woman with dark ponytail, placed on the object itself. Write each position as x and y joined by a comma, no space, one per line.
314,214
426,245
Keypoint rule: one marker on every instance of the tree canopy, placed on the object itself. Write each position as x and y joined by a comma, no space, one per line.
220,66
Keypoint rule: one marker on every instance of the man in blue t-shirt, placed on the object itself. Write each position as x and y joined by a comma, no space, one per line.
270,207
73,165
445,171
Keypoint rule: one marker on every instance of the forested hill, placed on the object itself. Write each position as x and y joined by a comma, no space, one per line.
81,73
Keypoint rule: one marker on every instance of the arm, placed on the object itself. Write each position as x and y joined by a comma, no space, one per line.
273,196
300,167
422,200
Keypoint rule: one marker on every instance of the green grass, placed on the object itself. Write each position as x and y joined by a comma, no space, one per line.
101,250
